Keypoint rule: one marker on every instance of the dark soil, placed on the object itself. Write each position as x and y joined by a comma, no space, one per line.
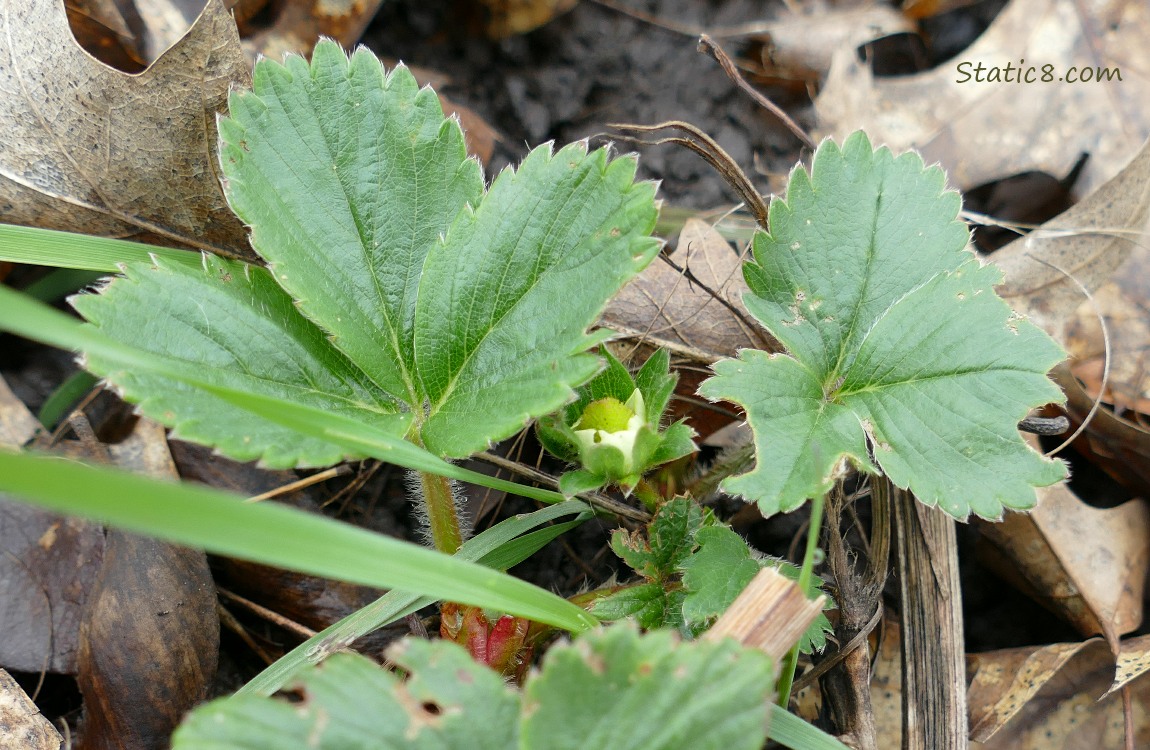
594,66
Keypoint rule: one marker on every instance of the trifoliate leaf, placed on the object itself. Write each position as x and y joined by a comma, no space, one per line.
448,702
615,689
895,336
231,323
419,292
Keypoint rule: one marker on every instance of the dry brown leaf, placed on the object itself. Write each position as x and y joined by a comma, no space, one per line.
1065,712
100,28
1089,242
666,309
808,37
47,564
21,725
1133,662
154,599
981,132
1123,301
89,149
297,25
1087,564
1005,681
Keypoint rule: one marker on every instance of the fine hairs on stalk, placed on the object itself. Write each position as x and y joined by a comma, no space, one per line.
414,481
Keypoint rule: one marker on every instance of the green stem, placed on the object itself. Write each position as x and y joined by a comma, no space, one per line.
787,676
446,535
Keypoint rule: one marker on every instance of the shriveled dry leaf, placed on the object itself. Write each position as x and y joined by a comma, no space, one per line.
89,149
21,725
984,131
667,309
1088,564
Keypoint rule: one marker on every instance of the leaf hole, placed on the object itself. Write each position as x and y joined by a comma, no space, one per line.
432,708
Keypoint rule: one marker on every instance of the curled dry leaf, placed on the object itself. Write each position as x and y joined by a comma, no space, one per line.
1099,243
1004,682
90,149
74,600
802,42
984,131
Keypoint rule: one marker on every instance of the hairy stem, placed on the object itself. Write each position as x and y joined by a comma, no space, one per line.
442,517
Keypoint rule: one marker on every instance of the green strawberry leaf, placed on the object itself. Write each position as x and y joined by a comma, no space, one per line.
669,540
896,340
609,689
716,573
616,689
448,701
230,321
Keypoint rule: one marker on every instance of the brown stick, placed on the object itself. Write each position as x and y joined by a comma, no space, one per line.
708,45
933,656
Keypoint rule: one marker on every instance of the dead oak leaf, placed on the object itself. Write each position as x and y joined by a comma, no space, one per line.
87,148
981,132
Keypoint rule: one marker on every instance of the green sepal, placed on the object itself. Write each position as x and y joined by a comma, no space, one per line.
575,482
657,383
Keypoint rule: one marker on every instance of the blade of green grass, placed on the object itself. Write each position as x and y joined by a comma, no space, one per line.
498,547
48,247
275,535
791,731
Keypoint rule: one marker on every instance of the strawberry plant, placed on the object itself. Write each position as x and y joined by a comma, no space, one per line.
409,313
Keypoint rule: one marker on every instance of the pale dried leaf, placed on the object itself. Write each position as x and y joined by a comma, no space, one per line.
89,149
808,36
1068,712
1088,564
1005,681
21,724
981,132
667,308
